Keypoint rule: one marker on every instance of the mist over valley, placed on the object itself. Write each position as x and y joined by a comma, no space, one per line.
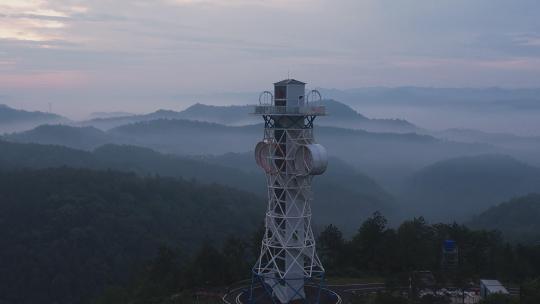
276,151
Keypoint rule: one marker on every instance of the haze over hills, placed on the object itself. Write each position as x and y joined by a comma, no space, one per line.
360,194
458,188
489,109
155,182
388,158
375,153
522,147
340,115
104,115
343,116
472,108
506,140
340,188
439,191
492,110
63,135
16,120
479,98
520,98
518,219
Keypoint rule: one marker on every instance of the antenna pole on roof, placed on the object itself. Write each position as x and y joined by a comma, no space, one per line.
288,74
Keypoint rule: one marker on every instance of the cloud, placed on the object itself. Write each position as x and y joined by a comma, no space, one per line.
30,20
284,4
166,47
528,40
516,63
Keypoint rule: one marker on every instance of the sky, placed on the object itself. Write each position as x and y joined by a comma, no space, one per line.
136,56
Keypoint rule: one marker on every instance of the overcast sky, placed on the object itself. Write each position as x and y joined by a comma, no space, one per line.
138,55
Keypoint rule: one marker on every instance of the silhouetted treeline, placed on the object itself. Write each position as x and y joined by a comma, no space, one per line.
375,250
173,277
416,245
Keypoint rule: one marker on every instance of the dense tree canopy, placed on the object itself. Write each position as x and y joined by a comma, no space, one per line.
415,245
67,233
376,250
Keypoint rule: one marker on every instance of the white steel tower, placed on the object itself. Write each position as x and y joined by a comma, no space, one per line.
290,158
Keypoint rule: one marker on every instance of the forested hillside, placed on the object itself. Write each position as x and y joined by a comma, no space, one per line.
458,188
67,233
12,120
518,219
86,138
387,157
342,188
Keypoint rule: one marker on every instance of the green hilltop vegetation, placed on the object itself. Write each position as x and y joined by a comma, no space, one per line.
82,235
518,219
375,250
342,188
428,176
460,187
67,233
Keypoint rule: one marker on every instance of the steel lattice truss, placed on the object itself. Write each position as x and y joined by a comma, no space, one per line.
288,253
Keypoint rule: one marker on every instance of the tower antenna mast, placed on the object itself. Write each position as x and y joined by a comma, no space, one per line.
290,158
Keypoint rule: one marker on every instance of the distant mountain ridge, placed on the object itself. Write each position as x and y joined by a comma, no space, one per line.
375,153
339,115
502,139
461,187
85,138
15,120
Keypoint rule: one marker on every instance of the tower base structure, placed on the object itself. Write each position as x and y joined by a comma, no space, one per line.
265,289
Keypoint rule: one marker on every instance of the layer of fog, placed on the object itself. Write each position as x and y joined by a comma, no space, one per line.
524,123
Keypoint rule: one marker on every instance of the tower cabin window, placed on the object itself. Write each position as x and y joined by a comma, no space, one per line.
280,95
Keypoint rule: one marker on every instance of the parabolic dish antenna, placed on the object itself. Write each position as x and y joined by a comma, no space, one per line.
263,151
311,159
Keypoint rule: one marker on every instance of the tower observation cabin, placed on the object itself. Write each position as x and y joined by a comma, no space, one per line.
290,98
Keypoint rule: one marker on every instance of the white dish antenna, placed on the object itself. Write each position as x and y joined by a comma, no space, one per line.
311,159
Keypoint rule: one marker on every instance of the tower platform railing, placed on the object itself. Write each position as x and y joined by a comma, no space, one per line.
290,110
